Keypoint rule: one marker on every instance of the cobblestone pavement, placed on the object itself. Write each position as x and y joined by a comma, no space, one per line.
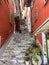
15,51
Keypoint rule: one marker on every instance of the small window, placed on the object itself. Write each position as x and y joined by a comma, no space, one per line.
35,17
32,3
32,23
36,14
45,2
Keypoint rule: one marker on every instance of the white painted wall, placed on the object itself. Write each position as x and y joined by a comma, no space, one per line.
44,48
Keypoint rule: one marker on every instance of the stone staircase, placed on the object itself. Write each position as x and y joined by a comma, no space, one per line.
15,51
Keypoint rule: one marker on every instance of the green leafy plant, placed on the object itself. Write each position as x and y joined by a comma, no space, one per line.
35,52
27,53
27,58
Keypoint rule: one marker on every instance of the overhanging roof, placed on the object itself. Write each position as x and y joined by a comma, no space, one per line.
43,28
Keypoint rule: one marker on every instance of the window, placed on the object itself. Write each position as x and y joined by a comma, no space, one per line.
32,23
35,17
35,14
32,3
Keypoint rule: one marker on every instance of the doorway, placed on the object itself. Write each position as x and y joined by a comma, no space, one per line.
17,24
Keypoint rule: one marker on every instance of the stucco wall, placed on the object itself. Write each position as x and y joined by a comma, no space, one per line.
43,12
5,27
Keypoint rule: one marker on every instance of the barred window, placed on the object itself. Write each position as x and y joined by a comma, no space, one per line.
35,14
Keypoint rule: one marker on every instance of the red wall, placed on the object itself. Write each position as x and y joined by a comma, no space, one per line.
39,37
43,13
5,27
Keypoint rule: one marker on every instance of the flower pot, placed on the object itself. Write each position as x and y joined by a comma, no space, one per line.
27,62
34,62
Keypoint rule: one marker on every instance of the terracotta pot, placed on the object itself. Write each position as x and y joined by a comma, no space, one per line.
27,62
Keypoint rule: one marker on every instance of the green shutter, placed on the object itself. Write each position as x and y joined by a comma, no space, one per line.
10,16
13,2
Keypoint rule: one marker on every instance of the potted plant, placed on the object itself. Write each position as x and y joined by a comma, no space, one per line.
27,60
27,57
35,55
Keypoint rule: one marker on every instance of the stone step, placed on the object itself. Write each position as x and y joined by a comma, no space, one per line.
23,51
21,61
22,58
20,55
24,46
16,49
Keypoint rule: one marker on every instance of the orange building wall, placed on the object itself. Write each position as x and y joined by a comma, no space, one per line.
5,27
43,13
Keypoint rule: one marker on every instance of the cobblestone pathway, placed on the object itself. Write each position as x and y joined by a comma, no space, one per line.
15,51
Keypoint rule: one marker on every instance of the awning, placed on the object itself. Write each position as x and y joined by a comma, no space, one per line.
43,28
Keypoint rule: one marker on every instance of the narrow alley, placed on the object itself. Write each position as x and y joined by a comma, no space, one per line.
24,32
